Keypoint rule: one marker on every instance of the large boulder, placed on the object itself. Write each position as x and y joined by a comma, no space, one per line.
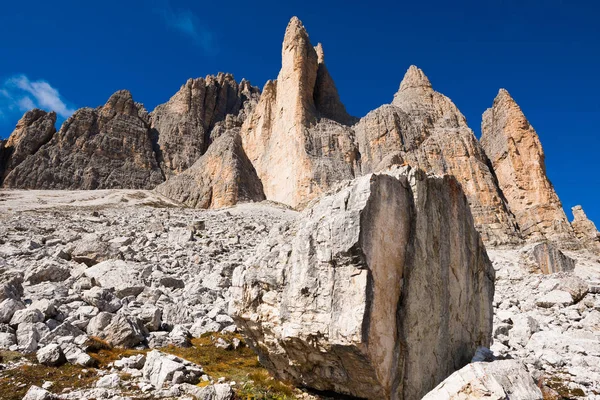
379,290
507,379
122,276
547,259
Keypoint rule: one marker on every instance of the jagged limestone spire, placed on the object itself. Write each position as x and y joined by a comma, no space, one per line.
414,78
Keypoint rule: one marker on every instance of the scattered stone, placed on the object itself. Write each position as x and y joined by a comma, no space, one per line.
50,355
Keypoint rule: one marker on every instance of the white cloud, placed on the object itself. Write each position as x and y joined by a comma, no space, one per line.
19,94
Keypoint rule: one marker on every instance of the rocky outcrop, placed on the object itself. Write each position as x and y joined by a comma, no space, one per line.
335,301
104,148
33,130
183,125
585,230
298,152
424,128
546,258
506,379
516,154
222,177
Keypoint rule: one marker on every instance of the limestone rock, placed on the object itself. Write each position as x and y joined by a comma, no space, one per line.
183,125
498,380
585,230
547,259
297,151
33,130
103,148
161,368
336,300
222,177
122,332
37,393
50,355
424,129
122,276
515,151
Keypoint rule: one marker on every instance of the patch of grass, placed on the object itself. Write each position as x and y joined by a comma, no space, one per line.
14,383
9,356
240,365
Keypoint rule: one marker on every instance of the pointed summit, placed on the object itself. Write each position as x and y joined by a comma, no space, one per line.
514,149
298,139
414,78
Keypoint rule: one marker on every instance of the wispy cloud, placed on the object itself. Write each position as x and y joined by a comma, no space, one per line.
19,94
187,23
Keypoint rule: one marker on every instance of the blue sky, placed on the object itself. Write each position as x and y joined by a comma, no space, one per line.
68,54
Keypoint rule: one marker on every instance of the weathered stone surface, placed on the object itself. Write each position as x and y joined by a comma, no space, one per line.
498,380
50,355
547,259
585,230
160,368
516,154
336,301
107,147
183,125
222,177
33,130
122,276
122,332
424,128
296,150
37,393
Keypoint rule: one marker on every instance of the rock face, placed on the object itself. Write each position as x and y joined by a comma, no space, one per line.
33,130
507,379
223,176
585,230
516,154
336,300
107,147
547,259
424,128
298,152
183,124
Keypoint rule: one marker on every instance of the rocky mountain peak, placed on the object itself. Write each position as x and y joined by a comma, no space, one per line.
33,130
121,102
414,78
585,230
515,151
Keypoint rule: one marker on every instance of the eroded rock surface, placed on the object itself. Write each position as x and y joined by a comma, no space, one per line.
183,125
222,177
516,154
424,128
297,151
336,300
33,130
585,230
107,147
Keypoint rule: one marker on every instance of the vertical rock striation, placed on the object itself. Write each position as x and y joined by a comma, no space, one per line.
516,154
222,177
424,128
33,130
336,301
183,125
104,148
293,139
585,230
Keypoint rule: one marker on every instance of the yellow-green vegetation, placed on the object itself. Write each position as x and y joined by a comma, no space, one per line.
14,383
240,365
560,389
253,382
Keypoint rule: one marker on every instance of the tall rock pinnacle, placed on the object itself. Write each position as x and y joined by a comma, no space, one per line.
585,230
516,154
424,128
299,152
